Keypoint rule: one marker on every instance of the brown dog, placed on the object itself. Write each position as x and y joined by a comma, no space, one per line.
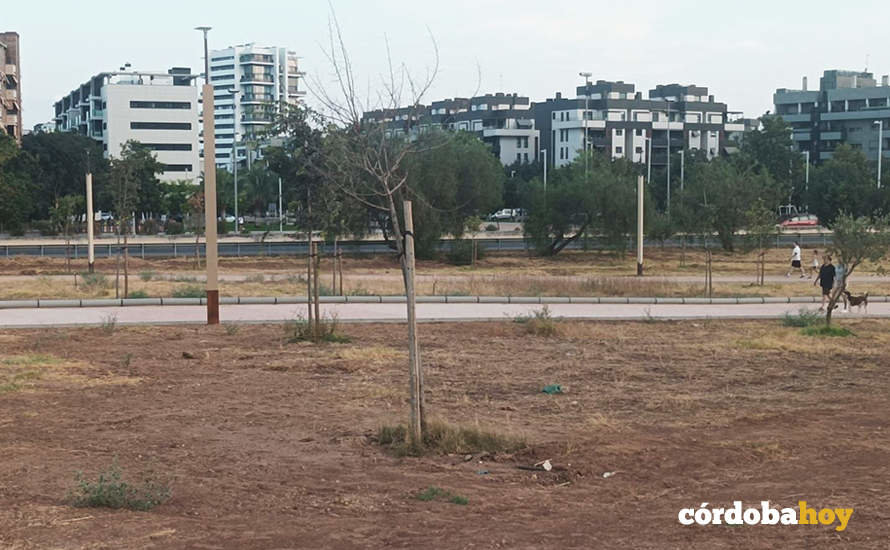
858,301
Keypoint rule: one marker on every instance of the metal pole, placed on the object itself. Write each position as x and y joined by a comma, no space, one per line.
210,192
544,154
807,173
639,226
584,119
649,167
91,256
668,203
235,153
280,209
682,168
880,124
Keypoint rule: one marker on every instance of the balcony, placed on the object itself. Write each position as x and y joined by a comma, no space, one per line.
254,77
256,118
257,98
97,113
257,59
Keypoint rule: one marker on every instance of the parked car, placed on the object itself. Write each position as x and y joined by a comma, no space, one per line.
503,215
803,221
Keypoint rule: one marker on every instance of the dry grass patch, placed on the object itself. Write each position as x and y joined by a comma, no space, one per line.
443,438
34,372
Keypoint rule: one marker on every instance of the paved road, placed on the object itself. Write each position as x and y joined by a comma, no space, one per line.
154,315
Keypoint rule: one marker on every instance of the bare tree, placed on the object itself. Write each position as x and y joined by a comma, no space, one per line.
366,160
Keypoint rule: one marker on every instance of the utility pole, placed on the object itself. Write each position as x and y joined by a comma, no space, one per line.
280,209
235,93
682,168
649,160
210,192
91,257
639,226
544,154
880,125
584,119
668,204
807,176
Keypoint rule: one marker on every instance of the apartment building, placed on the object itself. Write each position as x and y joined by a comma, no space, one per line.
849,107
160,110
612,117
10,86
504,121
250,82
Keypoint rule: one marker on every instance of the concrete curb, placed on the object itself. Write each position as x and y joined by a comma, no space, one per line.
273,300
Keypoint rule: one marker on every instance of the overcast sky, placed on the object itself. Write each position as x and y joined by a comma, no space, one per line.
742,51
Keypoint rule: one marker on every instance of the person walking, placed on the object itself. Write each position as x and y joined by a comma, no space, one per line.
795,261
814,269
826,280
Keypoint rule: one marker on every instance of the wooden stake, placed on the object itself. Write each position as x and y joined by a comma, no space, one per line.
414,366
309,284
316,269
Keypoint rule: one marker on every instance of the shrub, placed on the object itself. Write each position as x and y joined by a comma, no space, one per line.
443,438
109,490
138,294
94,281
174,228
539,323
435,493
45,227
150,226
804,318
491,227
326,331
189,291
109,323
146,275
222,227
461,252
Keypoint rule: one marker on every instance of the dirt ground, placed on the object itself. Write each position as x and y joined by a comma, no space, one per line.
270,445
568,274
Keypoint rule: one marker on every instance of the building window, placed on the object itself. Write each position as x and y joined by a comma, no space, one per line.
168,146
518,157
177,168
160,126
554,115
619,131
525,156
619,150
519,143
639,131
222,58
160,104
223,77
639,149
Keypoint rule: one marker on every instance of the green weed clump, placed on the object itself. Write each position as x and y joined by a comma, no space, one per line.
804,318
109,490
435,493
539,323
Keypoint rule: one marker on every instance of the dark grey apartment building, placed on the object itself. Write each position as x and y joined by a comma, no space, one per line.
10,86
849,107
612,117
504,121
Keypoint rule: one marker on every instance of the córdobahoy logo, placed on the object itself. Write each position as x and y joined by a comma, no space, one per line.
765,514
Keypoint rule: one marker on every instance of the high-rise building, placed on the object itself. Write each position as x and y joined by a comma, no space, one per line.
849,107
504,121
250,83
159,110
613,118
10,86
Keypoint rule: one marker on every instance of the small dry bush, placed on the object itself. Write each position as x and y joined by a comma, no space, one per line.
443,438
539,323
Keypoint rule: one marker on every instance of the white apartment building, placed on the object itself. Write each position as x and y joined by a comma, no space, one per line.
159,110
250,82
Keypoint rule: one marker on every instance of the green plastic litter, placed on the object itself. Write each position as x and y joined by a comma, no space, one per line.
552,388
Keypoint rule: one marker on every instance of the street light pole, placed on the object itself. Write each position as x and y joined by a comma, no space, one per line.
544,154
880,124
235,93
807,173
668,204
682,168
210,191
584,118
649,160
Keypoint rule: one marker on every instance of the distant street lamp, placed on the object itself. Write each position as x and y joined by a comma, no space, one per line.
880,125
544,154
210,191
584,118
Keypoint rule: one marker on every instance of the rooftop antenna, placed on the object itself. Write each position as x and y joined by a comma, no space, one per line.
866,62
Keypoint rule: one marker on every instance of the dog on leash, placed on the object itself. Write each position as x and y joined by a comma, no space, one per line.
859,302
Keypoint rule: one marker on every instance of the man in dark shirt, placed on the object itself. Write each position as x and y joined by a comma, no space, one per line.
825,280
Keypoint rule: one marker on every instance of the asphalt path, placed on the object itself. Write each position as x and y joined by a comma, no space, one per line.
377,312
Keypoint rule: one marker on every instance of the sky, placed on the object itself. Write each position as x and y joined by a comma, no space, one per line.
742,51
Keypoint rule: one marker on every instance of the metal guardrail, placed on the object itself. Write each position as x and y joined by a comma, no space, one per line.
175,249
282,300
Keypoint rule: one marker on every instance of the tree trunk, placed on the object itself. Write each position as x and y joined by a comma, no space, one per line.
340,269
316,269
117,269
